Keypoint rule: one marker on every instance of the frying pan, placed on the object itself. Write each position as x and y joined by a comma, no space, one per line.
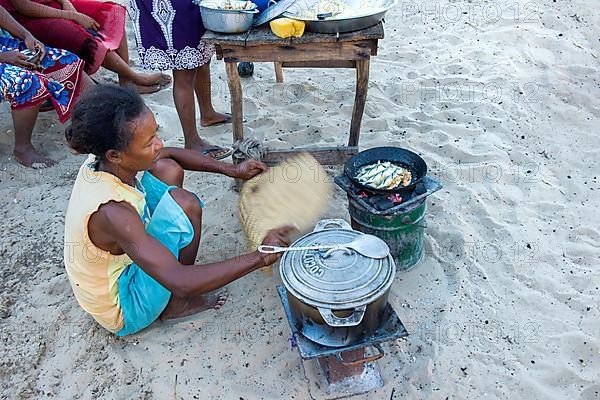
399,156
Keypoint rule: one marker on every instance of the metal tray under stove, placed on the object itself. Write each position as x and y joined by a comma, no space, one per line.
430,186
392,329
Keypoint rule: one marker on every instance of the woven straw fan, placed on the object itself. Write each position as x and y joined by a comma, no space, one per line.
295,192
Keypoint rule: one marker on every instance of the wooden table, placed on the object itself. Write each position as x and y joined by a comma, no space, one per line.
312,50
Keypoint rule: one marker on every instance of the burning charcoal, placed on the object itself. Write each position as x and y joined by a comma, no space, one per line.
395,198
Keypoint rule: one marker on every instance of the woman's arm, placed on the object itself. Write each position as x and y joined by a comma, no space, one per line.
194,161
17,30
66,5
122,224
12,26
35,10
32,9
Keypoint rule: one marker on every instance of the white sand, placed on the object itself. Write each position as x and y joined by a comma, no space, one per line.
505,303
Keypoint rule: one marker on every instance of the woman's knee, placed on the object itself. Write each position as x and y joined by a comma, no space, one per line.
184,77
188,202
168,171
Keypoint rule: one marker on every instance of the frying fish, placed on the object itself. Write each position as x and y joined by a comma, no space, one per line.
384,175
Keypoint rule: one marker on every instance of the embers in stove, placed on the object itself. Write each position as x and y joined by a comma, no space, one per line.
384,202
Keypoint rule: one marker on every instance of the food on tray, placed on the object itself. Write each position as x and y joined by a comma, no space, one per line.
229,5
384,175
287,27
337,9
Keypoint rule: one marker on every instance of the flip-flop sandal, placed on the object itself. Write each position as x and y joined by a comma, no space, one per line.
227,120
220,152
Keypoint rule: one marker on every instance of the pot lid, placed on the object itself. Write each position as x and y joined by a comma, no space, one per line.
273,11
342,280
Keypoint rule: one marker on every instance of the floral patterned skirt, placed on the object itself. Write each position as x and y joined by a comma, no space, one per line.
59,80
168,34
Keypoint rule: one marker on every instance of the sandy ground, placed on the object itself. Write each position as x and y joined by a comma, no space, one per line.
500,98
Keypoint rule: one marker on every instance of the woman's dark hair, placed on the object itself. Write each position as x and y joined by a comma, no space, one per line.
101,119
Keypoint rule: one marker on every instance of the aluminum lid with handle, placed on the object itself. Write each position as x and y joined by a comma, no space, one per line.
344,280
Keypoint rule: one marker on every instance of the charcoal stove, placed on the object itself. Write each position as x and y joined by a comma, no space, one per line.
343,371
397,219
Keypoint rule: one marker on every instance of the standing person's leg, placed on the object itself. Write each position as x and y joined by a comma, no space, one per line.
202,87
183,96
24,152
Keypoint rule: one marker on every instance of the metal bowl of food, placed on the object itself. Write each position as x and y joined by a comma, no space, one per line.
339,16
225,16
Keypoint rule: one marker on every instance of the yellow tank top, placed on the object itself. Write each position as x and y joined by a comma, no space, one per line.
94,272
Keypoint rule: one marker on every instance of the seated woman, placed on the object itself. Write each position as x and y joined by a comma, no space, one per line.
92,29
130,246
57,76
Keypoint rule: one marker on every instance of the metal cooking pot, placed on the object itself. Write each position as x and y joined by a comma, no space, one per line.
336,300
225,21
331,24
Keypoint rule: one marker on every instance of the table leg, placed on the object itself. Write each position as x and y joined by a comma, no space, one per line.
237,112
362,85
235,89
278,72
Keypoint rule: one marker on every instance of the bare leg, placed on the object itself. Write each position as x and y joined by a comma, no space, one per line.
123,52
24,121
182,307
208,115
171,173
183,96
86,82
153,82
179,307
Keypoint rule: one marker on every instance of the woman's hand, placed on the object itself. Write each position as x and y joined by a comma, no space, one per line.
34,45
85,21
249,169
276,237
67,6
16,58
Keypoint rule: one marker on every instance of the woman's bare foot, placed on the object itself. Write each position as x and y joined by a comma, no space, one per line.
155,79
148,89
29,157
215,119
179,307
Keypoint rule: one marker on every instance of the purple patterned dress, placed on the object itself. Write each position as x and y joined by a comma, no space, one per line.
168,34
